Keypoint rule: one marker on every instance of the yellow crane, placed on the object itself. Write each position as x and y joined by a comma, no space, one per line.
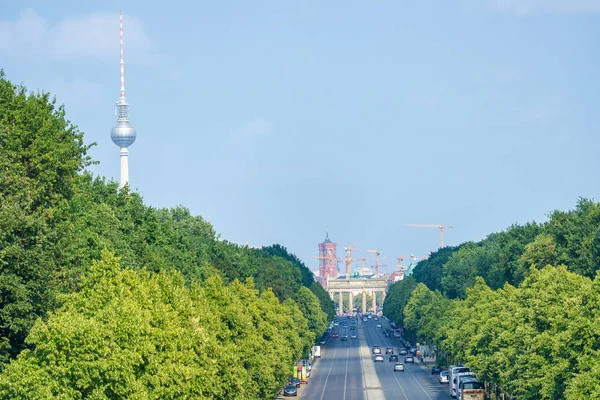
377,254
442,228
349,249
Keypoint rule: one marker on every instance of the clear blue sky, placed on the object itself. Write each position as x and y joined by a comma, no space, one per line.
281,119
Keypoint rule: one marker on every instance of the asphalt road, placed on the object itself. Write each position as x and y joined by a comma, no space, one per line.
346,371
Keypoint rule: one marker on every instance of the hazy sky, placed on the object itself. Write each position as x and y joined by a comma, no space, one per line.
281,119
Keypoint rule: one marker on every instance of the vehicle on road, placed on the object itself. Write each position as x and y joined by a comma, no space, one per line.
354,336
471,389
365,319
444,377
394,357
378,357
375,349
376,319
409,359
436,369
399,367
389,350
344,338
453,370
294,381
317,351
290,390
379,325
335,335
403,352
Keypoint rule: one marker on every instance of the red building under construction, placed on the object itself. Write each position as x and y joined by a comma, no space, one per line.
328,261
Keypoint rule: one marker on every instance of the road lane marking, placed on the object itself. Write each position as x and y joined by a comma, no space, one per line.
395,377
328,373
346,375
371,381
419,383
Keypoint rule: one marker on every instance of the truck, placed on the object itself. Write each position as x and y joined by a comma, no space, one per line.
301,372
470,388
453,370
316,351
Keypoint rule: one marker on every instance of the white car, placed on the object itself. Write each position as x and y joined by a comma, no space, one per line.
379,357
354,336
379,325
444,377
399,367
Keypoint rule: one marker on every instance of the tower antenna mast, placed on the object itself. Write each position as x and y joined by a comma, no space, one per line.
123,134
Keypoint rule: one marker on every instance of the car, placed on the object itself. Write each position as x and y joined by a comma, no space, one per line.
344,338
376,350
335,335
290,390
294,381
323,341
352,328
403,352
436,369
378,357
365,319
393,357
399,367
376,319
444,377
409,359
354,336
379,325
389,350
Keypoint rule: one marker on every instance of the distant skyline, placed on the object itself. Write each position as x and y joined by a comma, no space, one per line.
278,121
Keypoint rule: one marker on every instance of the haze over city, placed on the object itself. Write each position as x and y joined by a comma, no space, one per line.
278,120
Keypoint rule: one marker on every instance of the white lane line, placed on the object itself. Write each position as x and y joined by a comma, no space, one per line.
419,383
328,373
346,375
413,376
396,378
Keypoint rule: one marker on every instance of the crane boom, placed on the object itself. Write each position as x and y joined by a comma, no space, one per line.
442,228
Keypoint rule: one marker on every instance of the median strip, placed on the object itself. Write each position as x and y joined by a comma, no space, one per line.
371,382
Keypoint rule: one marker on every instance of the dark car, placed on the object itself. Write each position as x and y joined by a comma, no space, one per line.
394,357
290,390
436,369
389,350
344,338
294,381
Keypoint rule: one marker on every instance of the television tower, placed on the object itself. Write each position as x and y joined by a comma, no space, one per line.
123,134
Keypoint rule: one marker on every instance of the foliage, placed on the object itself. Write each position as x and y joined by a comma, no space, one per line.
131,334
397,298
180,282
41,154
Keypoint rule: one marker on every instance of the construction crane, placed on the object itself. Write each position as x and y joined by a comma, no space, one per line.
400,259
440,227
349,249
377,254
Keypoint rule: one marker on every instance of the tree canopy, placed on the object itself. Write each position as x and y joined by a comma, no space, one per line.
96,286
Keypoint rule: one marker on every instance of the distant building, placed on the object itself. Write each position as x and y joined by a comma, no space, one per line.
328,261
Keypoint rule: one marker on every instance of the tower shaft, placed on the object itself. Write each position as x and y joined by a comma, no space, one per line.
124,167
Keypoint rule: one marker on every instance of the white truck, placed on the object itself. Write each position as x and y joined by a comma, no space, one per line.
316,351
452,372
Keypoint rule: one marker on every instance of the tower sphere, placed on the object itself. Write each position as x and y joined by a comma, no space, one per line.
123,134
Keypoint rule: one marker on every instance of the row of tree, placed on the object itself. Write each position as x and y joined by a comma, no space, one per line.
534,332
57,221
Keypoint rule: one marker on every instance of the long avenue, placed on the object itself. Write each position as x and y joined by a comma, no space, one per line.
346,371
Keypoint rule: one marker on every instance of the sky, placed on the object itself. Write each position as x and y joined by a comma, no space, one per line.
279,120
